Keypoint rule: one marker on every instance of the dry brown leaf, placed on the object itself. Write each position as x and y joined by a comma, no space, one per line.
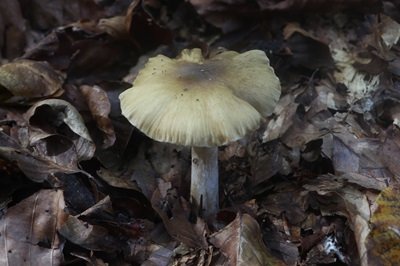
383,242
242,244
28,234
26,80
285,111
100,108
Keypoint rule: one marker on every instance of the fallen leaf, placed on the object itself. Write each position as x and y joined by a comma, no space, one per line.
27,80
28,234
100,108
242,244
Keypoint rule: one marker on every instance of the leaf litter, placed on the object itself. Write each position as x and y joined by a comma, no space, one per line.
316,184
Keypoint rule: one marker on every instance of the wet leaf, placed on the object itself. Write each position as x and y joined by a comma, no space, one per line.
26,80
241,242
29,230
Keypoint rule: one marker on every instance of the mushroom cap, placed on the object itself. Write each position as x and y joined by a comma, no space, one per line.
201,102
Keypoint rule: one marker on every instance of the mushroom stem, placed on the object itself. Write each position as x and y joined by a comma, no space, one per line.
204,182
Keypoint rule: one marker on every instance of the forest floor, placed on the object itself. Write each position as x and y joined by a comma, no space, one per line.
316,184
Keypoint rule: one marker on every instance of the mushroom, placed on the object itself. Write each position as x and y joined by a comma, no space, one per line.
202,103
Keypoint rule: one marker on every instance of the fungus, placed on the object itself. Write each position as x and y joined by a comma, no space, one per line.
202,103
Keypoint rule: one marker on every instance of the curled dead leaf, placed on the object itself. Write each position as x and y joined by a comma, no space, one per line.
55,117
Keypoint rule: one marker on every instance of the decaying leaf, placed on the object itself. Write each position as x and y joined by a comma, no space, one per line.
242,244
28,234
26,80
383,242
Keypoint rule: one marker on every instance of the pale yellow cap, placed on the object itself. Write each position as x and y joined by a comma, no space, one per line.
195,101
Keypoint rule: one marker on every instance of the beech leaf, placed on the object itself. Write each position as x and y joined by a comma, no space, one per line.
28,231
